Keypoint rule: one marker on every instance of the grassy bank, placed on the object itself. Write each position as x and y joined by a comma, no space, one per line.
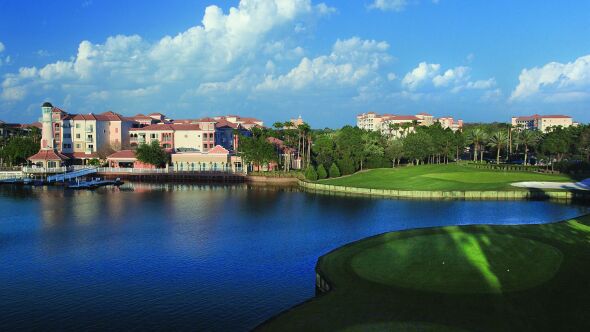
440,177
483,278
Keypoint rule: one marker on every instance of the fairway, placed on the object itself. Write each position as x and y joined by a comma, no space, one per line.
440,177
482,278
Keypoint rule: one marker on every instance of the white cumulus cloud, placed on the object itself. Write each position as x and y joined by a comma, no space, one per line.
395,5
350,61
422,73
555,82
129,66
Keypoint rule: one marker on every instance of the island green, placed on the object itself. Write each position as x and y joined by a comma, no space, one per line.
456,278
441,177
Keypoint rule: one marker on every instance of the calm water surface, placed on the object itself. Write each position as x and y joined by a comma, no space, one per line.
189,257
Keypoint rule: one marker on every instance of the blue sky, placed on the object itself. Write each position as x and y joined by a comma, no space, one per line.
277,59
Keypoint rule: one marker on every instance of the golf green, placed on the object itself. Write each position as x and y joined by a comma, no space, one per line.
456,278
441,177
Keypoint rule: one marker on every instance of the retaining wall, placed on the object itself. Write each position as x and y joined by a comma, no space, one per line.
464,195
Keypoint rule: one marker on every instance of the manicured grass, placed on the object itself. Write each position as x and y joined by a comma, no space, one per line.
474,278
440,177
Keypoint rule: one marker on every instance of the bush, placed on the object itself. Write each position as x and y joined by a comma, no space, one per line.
311,174
322,174
346,166
94,162
334,171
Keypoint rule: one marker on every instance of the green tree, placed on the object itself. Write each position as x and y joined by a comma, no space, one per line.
334,171
152,154
257,150
17,149
346,165
527,138
322,174
394,151
417,146
311,174
476,137
370,147
498,141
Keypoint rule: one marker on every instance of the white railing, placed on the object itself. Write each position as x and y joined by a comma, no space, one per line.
161,171
134,170
42,170
11,175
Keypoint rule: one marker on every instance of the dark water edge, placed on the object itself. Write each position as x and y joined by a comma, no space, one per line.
194,257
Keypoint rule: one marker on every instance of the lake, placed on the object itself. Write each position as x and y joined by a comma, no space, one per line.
194,257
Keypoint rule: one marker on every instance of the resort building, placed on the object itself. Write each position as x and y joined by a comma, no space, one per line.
449,122
200,144
182,137
48,156
543,123
216,159
400,125
8,130
126,159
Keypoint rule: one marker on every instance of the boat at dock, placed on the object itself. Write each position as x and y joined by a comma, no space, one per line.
94,183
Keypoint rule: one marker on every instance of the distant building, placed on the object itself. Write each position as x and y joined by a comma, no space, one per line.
400,125
542,123
295,123
8,130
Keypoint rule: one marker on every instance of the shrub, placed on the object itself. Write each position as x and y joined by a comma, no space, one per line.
334,171
346,166
322,174
311,174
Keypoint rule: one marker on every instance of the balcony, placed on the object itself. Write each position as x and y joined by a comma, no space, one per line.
89,129
89,139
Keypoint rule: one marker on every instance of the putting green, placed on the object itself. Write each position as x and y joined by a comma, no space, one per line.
402,327
458,262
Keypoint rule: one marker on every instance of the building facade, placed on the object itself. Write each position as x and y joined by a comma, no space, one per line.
543,123
400,125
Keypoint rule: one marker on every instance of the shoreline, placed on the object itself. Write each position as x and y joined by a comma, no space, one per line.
529,194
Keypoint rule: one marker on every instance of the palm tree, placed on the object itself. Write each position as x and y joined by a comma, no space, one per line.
528,138
498,141
485,137
475,137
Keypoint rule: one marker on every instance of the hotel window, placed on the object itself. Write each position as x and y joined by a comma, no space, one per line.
67,146
90,146
77,146
77,135
67,135
153,136
77,126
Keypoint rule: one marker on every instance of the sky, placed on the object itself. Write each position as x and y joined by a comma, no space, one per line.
327,61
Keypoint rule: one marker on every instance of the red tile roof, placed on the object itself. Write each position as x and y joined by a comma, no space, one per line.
218,149
123,154
48,155
168,127
225,123
537,116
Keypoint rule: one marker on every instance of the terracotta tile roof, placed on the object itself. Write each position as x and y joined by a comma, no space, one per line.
225,123
537,116
207,120
218,149
168,127
123,154
141,117
48,155
90,117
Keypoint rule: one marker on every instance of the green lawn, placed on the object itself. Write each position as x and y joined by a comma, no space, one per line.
459,278
440,177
